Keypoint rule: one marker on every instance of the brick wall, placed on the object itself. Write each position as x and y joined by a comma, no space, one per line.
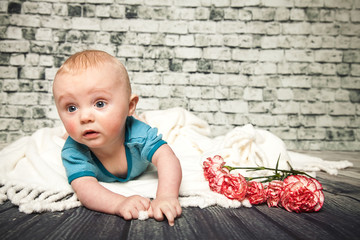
288,66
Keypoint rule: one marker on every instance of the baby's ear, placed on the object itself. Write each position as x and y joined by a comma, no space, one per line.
134,99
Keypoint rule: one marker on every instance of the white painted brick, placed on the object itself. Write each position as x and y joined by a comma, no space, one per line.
22,98
186,40
32,59
265,68
243,3
296,28
207,93
43,34
313,108
231,27
146,78
221,92
50,73
296,81
13,33
233,80
342,95
130,51
217,53
271,55
188,3
202,13
350,83
234,106
326,29
297,14
336,4
282,14
285,94
176,78
32,72
188,53
204,79
189,66
245,54
204,105
253,94
256,27
299,55
178,27
19,46
56,22
118,25
285,107
260,107
309,3
328,56
8,72
85,23
10,86
311,134
278,3
193,92
3,6
202,27
25,20
148,104
158,2
342,108
355,69
102,11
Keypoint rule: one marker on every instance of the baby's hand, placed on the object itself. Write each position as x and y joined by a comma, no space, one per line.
129,207
165,205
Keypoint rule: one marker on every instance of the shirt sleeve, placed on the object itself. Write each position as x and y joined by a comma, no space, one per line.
144,138
77,160
152,143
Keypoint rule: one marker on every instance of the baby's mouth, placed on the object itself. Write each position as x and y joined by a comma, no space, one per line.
90,134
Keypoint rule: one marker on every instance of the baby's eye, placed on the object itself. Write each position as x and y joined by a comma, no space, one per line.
71,108
100,104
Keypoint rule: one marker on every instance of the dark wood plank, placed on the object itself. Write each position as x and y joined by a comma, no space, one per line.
338,219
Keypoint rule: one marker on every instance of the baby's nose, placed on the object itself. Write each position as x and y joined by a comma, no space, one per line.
86,116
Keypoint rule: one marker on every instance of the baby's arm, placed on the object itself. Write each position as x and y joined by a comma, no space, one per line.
96,197
169,173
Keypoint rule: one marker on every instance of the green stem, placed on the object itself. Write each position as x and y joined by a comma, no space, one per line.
276,176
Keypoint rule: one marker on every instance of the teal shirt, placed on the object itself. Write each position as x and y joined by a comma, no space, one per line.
141,142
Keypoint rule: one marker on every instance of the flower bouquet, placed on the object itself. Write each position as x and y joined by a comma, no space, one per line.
291,189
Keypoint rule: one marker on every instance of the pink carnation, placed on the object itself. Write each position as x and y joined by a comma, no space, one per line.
302,194
273,191
234,187
256,193
213,166
221,181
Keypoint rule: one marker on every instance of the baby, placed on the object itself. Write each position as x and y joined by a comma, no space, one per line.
106,143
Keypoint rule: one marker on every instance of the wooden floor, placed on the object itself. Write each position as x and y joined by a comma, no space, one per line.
338,219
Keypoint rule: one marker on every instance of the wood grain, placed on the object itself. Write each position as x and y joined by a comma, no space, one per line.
338,219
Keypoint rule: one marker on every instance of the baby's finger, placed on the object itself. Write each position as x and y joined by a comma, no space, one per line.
178,210
158,214
145,203
150,212
170,217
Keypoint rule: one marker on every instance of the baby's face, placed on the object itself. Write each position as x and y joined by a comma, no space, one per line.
93,105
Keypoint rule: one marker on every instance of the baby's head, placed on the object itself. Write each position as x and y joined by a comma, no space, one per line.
87,59
93,97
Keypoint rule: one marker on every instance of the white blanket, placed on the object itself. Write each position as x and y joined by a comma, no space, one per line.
32,175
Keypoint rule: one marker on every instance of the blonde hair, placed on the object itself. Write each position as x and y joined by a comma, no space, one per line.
81,61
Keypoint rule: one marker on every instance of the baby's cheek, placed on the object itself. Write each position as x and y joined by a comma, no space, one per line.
70,128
